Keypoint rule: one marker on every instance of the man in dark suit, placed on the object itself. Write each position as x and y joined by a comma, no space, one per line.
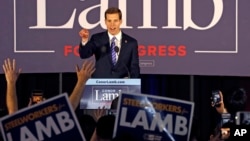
113,60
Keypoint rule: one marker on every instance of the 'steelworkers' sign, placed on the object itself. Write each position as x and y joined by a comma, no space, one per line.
51,120
153,118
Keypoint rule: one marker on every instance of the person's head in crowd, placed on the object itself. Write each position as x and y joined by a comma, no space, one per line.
87,124
37,96
124,137
236,101
113,20
105,127
195,131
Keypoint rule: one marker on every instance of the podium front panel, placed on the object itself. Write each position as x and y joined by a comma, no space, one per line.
101,92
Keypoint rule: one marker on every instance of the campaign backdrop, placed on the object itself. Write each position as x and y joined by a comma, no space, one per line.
190,37
99,93
153,118
51,120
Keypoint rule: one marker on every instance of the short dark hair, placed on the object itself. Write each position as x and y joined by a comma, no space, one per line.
105,126
113,10
236,100
87,124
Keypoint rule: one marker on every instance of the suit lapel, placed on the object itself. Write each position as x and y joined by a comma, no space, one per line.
105,37
106,41
123,46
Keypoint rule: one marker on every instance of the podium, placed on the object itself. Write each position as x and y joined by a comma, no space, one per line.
101,92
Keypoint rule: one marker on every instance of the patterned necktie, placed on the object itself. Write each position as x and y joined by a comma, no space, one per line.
113,53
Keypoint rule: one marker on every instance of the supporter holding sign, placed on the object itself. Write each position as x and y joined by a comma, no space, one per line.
153,118
53,119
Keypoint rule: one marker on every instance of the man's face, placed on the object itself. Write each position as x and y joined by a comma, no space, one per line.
113,23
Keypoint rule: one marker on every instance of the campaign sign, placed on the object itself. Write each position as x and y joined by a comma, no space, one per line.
175,37
101,92
153,118
51,120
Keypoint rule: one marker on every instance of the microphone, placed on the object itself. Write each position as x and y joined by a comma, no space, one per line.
126,68
117,49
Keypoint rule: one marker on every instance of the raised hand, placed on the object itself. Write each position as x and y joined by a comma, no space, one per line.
84,34
98,113
85,72
11,75
220,108
10,70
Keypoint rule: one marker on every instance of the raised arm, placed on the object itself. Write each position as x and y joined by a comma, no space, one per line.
220,107
11,75
83,74
84,34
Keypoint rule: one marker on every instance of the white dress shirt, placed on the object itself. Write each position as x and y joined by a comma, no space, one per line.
117,42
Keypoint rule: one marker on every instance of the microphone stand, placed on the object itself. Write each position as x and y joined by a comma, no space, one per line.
117,51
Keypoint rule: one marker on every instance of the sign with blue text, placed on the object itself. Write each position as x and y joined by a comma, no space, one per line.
153,118
101,92
51,120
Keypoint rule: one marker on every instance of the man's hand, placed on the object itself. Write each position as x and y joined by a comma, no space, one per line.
10,70
84,34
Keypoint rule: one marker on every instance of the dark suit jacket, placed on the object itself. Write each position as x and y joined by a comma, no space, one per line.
128,60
